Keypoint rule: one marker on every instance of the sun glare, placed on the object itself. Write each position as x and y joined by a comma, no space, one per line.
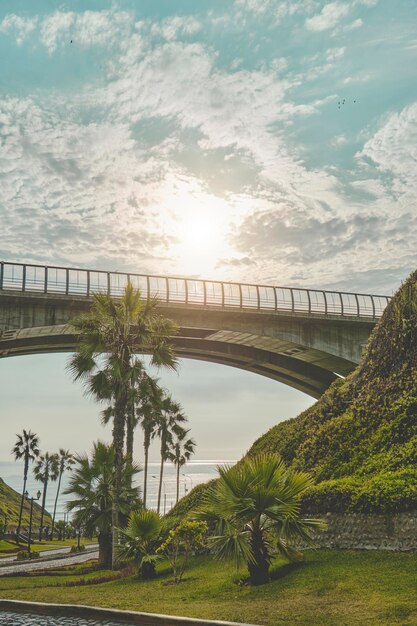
201,243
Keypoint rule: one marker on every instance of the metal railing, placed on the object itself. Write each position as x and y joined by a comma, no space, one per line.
207,293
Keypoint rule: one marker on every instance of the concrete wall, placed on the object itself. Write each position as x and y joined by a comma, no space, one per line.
369,532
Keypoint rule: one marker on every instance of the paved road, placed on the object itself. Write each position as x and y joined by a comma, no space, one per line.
7,618
45,553
40,564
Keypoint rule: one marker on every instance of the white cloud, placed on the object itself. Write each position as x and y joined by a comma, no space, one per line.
393,149
21,27
354,25
330,15
90,28
177,26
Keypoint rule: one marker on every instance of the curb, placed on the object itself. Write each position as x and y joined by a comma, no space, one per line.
124,617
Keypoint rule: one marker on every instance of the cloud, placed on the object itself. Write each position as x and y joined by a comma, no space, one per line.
393,150
330,15
90,28
21,27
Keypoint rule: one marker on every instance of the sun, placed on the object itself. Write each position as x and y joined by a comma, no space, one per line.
201,243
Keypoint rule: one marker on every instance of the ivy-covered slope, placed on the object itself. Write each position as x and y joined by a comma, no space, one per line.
359,441
10,507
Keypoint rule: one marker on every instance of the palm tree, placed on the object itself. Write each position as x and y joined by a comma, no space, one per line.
65,463
92,484
181,452
147,412
140,541
117,329
26,448
255,506
169,418
45,470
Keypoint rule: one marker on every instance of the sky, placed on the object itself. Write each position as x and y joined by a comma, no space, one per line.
256,140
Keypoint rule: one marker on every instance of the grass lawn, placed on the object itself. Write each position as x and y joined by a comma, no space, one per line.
330,588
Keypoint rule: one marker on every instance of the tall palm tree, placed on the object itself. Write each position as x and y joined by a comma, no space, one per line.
119,328
92,485
45,470
26,448
65,463
181,451
169,418
148,410
255,506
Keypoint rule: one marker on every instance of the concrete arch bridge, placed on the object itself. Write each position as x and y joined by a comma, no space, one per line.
304,338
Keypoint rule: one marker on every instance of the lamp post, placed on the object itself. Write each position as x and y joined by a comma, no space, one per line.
191,482
38,495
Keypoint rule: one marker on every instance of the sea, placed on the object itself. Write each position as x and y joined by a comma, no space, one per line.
192,474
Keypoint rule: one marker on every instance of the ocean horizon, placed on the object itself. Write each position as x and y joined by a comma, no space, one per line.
193,473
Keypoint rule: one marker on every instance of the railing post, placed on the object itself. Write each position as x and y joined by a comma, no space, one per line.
240,297
167,288
325,302
205,293
373,307
292,301
309,301
186,290
258,297
222,294
67,281
108,283
341,304
148,288
24,278
357,304
45,284
88,283
275,298
1,274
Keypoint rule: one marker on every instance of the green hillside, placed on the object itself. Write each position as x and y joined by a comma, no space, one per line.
10,506
359,441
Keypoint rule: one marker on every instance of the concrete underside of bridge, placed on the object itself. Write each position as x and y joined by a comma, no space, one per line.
303,351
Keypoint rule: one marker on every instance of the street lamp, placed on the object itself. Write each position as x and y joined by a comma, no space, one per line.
165,494
191,481
38,495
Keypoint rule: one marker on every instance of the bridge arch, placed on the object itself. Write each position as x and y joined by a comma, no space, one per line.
303,338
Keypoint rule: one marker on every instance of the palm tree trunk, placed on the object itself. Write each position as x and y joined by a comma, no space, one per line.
25,478
118,444
161,473
45,487
56,502
145,471
130,436
259,568
178,483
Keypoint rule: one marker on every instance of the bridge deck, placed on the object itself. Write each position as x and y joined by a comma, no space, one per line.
54,280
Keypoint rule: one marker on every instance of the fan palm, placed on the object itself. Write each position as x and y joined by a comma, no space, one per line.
45,470
140,541
181,451
169,418
255,506
92,487
65,463
117,329
26,448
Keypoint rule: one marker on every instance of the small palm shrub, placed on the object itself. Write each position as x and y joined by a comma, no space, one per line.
254,508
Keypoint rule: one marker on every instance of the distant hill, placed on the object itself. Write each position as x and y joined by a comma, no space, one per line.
10,507
359,441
